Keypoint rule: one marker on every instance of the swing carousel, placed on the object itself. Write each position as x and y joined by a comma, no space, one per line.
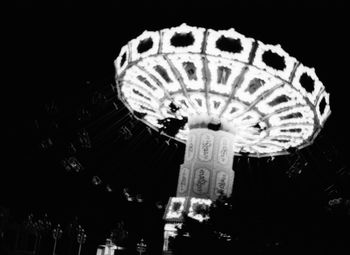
227,95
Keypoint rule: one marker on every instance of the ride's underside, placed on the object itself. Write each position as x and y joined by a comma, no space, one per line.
268,100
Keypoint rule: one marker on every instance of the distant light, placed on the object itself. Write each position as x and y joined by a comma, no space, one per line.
71,148
176,207
199,208
108,188
115,106
141,247
84,139
83,114
127,195
139,198
130,198
46,143
51,108
335,201
159,205
71,164
98,98
96,180
124,133
272,158
149,130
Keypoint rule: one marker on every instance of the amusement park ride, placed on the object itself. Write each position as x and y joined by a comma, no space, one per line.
228,95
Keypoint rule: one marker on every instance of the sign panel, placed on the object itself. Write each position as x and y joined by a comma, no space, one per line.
183,180
223,157
190,147
221,183
206,147
201,181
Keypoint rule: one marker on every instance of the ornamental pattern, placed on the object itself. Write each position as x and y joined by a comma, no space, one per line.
266,98
223,154
183,180
206,147
201,181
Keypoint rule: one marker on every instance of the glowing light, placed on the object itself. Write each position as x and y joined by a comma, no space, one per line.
241,55
147,40
315,87
159,68
190,67
289,62
222,80
196,33
302,131
323,116
282,97
263,96
255,84
195,203
122,60
216,104
233,109
176,207
199,102
298,115
142,79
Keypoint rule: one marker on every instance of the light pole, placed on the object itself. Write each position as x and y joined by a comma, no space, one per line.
141,247
57,234
81,238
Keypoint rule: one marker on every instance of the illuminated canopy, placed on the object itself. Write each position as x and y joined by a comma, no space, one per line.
266,98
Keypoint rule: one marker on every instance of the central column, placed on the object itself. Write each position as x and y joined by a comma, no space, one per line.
207,168
205,174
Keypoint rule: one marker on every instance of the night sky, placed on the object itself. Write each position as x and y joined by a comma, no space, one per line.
62,54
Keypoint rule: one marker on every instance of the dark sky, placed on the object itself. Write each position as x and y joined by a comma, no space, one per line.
53,49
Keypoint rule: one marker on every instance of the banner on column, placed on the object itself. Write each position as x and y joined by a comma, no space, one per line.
184,179
201,181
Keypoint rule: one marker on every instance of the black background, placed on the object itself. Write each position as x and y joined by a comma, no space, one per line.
52,49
